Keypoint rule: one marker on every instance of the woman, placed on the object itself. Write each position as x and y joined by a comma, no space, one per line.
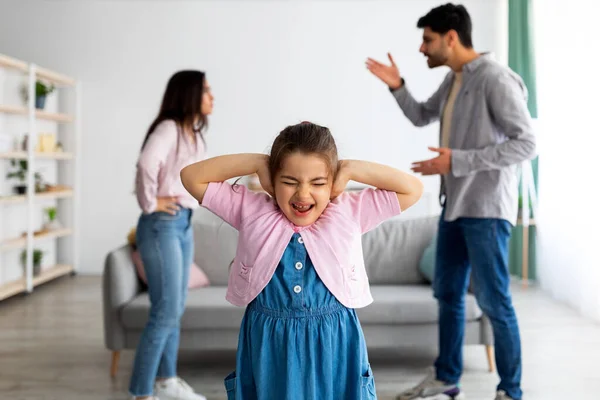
164,234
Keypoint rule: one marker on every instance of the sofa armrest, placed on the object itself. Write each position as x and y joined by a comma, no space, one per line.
120,285
487,335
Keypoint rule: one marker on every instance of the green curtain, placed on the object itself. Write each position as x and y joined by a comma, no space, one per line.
521,59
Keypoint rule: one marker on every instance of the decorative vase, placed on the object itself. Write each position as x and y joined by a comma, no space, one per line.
52,225
37,269
21,189
40,102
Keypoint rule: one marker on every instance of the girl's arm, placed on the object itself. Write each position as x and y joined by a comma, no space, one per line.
197,176
408,188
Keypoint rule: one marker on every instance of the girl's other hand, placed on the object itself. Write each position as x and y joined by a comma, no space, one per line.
264,177
341,179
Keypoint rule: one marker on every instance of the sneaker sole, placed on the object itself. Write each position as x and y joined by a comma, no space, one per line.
167,397
460,396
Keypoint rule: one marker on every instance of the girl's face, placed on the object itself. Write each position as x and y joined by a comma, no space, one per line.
303,187
206,106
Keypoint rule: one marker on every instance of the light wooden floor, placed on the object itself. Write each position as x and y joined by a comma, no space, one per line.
51,348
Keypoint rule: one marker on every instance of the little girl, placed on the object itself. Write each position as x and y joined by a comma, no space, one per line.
299,264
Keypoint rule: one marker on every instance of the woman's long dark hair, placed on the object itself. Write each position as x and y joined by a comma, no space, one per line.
182,103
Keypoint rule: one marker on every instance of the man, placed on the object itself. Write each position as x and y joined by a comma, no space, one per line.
485,131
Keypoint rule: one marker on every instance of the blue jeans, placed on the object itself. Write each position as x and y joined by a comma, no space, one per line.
165,243
478,246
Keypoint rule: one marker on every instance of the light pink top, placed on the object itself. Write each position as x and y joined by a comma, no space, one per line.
333,242
166,153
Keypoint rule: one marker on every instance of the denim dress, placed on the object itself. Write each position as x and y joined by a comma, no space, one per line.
297,341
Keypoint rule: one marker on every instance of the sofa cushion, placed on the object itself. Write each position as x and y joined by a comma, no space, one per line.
427,262
206,308
215,243
392,251
197,277
408,304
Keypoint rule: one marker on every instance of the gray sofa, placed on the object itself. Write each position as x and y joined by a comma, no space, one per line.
403,314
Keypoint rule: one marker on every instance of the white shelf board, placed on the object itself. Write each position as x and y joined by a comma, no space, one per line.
11,288
42,73
21,198
40,114
16,243
19,286
51,273
22,155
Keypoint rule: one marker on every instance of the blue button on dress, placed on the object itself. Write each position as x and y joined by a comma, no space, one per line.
298,342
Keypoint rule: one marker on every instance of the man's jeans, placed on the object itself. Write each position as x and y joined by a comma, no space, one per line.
478,246
165,243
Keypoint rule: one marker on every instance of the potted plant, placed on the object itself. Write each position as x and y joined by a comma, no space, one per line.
52,223
21,174
38,255
41,91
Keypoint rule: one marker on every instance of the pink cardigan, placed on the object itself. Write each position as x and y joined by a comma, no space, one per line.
333,242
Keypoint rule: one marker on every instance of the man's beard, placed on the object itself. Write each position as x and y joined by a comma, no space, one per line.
436,61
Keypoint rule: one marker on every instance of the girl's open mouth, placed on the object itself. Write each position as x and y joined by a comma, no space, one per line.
301,209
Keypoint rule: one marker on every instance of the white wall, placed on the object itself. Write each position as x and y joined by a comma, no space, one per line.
568,220
270,63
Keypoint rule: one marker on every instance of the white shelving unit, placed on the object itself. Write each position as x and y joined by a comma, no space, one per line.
65,125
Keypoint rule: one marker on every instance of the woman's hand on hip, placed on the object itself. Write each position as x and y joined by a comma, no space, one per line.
167,204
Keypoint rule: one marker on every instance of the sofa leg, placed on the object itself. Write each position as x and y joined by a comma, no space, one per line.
490,358
114,365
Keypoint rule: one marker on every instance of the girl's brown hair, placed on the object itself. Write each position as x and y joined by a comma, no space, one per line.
307,138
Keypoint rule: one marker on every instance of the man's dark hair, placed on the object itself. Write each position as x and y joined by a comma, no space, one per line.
446,17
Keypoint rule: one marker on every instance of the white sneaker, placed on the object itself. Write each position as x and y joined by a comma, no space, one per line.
432,389
501,395
175,389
